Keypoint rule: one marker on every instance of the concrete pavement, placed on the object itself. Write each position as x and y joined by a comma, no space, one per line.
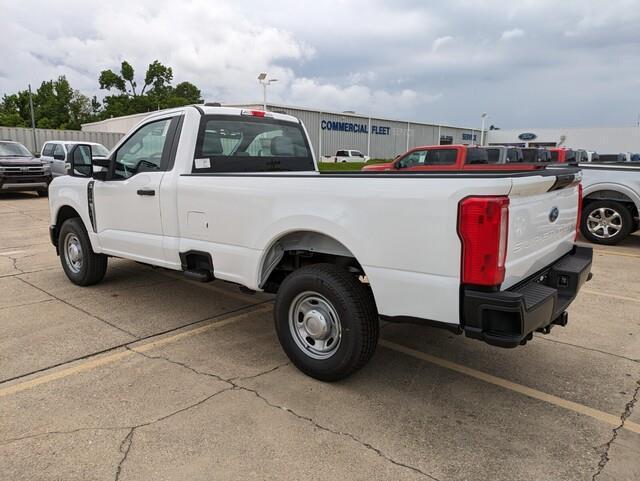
149,376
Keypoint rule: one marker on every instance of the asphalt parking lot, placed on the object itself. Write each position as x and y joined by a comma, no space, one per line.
148,376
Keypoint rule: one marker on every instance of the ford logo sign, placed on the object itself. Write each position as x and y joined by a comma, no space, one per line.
553,215
527,136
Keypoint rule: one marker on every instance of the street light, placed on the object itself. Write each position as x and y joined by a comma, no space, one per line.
484,118
262,78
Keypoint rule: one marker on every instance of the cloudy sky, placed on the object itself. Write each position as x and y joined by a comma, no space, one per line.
529,63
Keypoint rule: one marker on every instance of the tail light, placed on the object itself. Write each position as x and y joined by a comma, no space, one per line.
483,226
579,211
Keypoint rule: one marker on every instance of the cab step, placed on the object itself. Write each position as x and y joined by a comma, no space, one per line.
199,275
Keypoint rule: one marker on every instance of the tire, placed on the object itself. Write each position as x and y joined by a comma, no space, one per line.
339,307
81,265
617,224
43,193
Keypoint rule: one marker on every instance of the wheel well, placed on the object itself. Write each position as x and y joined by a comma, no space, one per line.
298,249
66,212
615,196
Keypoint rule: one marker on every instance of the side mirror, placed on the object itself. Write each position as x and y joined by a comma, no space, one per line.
79,164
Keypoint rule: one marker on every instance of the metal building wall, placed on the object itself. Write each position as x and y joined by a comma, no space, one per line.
378,146
25,136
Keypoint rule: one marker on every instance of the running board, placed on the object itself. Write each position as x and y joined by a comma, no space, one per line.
198,275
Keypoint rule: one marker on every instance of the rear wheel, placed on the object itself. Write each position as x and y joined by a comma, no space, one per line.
326,321
606,222
81,265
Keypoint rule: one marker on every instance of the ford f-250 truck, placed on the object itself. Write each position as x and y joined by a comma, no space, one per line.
491,255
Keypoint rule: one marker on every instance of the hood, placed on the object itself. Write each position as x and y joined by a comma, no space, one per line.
9,161
376,167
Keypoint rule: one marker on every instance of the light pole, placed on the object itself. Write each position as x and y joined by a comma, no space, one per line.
484,118
262,78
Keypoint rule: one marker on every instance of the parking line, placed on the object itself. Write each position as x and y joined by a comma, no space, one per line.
613,296
93,363
615,253
512,386
152,344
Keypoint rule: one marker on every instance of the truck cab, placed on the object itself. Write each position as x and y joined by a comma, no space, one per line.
451,158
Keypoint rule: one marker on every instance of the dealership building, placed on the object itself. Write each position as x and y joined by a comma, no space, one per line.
604,140
378,137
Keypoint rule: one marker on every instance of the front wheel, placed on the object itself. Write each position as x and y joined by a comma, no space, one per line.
606,222
326,321
81,265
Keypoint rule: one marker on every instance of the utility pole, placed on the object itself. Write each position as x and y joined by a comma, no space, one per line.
484,118
33,121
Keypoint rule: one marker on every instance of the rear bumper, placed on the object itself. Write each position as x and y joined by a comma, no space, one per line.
509,318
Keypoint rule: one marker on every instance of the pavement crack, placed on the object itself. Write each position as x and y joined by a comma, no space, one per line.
235,386
268,371
628,409
351,436
81,310
585,348
125,447
53,433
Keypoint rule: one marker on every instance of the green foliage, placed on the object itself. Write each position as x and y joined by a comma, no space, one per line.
58,106
156,93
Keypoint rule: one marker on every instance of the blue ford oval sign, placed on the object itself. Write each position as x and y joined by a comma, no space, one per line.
553,215
527,136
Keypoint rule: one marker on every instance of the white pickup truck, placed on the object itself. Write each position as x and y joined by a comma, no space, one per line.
195,189
346,156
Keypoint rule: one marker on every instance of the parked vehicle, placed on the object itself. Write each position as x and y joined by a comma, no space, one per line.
533,155
565,155
611,201
452,158
488,254
55,152
21,171
621,157
346,156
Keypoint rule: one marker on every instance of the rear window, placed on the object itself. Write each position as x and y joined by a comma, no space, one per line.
250,144
609,158
514,155
477,155
554,155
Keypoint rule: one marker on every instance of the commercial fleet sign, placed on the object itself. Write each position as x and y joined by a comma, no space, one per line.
351,127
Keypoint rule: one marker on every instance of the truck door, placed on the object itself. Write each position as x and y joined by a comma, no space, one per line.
127,204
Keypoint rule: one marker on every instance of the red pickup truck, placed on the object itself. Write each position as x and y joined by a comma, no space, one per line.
456,157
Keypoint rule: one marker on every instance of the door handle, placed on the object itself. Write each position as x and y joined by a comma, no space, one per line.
146,192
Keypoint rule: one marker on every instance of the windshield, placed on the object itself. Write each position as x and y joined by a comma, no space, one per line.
11,149
250,144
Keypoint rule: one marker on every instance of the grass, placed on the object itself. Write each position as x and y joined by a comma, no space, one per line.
348,166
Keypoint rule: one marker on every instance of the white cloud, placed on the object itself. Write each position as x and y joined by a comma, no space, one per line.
440,42
405,58
513,33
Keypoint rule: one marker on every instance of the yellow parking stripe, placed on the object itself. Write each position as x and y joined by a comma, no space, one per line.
615,253
214,324
111,358
613,296
512,386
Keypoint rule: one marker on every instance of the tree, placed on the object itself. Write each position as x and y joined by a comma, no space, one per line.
56,105
156,92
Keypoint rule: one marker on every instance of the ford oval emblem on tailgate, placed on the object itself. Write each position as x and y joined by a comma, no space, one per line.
553,215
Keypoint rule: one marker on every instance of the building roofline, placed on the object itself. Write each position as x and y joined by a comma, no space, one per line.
363,116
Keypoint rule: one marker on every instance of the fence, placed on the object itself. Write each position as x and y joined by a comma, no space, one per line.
25,136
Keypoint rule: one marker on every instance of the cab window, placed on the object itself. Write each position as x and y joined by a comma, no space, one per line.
58,152
48,150
144,151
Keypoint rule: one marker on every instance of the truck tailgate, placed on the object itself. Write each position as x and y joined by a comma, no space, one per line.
543,212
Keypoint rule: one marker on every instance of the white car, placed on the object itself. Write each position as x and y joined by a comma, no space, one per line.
346,156
488,254
55,152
